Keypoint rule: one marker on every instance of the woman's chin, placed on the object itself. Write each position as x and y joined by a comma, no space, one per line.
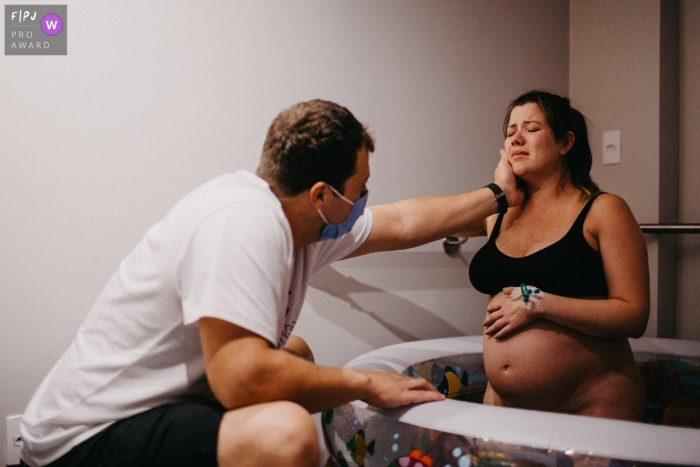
521,172
518,163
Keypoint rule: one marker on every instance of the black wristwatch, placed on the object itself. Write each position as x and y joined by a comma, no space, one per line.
500,197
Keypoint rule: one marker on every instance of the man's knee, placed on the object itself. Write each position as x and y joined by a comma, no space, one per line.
279,433
295,429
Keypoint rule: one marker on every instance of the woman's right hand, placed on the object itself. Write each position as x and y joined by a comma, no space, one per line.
507,311
494,303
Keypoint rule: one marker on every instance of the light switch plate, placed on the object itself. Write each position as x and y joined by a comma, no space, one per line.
611,147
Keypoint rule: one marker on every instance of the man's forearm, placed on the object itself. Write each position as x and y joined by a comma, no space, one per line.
432,218
277,375
428,219
258,375
414,222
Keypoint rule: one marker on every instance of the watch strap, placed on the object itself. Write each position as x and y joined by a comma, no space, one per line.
500,197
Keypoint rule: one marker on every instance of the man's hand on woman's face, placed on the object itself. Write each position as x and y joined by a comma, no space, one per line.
505,178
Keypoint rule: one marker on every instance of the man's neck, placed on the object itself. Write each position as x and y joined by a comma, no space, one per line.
305,226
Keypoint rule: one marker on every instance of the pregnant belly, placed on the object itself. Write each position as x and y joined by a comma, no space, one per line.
548,367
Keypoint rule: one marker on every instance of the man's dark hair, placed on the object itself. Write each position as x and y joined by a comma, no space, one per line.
314,141
562,118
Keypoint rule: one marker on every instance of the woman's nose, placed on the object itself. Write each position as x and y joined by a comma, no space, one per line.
517,138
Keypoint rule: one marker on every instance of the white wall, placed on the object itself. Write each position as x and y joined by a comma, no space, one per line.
155,98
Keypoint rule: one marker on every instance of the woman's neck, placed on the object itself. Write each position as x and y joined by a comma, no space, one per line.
551,188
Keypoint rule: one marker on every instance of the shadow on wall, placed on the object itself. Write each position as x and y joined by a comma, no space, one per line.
412,295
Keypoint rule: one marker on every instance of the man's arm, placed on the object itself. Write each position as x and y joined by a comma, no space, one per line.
417,221
243,369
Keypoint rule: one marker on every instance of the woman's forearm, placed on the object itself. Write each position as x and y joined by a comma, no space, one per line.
517,307
611,317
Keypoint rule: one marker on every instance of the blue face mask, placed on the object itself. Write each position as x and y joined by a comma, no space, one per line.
333,231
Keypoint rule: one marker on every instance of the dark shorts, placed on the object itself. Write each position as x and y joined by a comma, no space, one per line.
179,434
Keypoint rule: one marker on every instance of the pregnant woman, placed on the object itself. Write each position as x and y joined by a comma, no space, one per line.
567,276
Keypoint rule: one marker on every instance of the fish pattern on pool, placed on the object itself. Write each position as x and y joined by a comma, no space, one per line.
357,437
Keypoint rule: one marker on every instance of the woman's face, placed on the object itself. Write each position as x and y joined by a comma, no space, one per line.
532,150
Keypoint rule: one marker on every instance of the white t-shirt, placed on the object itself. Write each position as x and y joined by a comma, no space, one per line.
224,251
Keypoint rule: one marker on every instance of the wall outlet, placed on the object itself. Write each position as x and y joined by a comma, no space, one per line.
14,440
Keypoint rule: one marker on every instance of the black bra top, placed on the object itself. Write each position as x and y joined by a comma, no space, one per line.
569,267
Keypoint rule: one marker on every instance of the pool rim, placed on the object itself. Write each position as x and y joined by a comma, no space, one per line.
572,434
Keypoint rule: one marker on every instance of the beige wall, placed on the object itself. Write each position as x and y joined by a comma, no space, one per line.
624,76
614,81
689,245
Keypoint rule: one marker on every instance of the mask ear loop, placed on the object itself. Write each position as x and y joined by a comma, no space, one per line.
351,203
322,216
341,197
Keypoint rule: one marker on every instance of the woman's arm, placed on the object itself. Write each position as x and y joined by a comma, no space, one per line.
625,312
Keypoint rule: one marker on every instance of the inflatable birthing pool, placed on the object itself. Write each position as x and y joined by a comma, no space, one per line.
461,432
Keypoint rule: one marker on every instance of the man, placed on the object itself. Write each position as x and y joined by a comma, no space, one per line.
186,357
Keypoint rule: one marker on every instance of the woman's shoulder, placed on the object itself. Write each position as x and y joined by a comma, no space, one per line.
609,211
608,203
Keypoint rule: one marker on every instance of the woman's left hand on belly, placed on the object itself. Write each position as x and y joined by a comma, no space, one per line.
511,310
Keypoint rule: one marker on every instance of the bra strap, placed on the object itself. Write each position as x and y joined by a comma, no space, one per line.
497,227
584,212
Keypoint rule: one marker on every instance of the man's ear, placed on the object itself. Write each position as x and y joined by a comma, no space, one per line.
317,194
568,142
